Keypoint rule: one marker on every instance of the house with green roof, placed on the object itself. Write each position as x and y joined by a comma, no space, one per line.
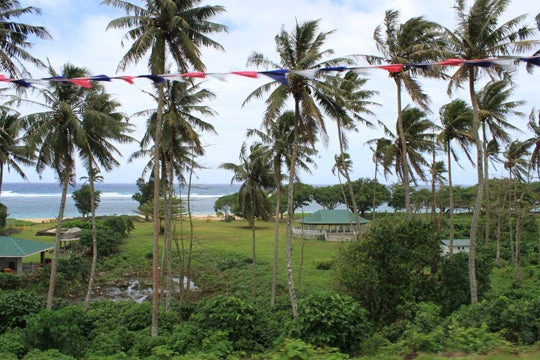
329,225
13,250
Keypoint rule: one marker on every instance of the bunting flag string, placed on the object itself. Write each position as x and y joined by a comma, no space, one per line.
280,75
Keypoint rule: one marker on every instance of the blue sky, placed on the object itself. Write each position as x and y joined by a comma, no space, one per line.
79,37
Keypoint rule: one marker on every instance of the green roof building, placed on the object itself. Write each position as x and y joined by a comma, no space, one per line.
329,225
13,250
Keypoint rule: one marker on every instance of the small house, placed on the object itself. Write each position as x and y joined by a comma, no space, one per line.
12,252
330,225
460,245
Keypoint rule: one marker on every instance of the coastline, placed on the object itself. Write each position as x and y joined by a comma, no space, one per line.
48,220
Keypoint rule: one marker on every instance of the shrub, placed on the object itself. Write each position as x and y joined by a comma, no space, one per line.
325,264
250,325
471,339
3,216
299,350
9,281
65,329
330,319
52,354
12,342
16,305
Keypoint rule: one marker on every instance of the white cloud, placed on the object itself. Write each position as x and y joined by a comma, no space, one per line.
79,37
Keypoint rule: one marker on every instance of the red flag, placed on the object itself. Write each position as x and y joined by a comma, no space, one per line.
85,83
128,79
250,74
195,74
393,68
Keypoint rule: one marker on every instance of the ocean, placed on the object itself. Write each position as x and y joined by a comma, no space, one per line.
42,200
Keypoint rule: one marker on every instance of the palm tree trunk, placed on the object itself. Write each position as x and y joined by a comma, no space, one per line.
155,249
405,164
277,175
348,178
290,213
451,196
374,193
168,238
519,226
1,176
190,219
253,250
486,182
94,237
479,192
60,220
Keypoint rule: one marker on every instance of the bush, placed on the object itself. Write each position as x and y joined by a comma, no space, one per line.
9,281
12,342
325,264
16,305
47,355
299,350
251,326
330,319
3,216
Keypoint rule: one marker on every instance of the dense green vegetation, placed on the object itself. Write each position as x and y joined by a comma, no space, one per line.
406,299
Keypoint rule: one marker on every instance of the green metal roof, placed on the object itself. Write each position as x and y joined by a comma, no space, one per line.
13,248
331,217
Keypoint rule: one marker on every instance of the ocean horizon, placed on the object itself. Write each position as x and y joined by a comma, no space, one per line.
26,200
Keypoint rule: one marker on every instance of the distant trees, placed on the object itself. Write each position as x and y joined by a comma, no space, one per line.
82,198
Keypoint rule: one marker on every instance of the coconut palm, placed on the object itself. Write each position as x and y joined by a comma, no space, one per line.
301,49
58,133
181,143
480,34
534,141
256,180
351,97
14,153
14,37
417,129
379,149
415,41
494,109
278,135
174,28
456,119
516,163
103,126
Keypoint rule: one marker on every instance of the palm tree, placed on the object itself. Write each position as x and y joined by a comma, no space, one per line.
494,108
353,103
456,119
13,150
381,145
302,49
256,179
517,165
58,133
480,35
418,139
415,41
534,141
174,27
103,125
279,137
14,36
180,144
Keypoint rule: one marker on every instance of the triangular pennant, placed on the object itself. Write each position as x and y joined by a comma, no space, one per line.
22,82
423,66
451,62
195,74
250,74
126,78
334,68
174,77
485,63
309,74
360,69
85,83
393,68
55,78
534,60
219,76
278,75
100,78
155,78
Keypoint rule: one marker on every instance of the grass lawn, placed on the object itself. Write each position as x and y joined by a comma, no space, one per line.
226,246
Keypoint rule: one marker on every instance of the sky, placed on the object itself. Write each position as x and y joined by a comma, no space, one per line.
79,36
